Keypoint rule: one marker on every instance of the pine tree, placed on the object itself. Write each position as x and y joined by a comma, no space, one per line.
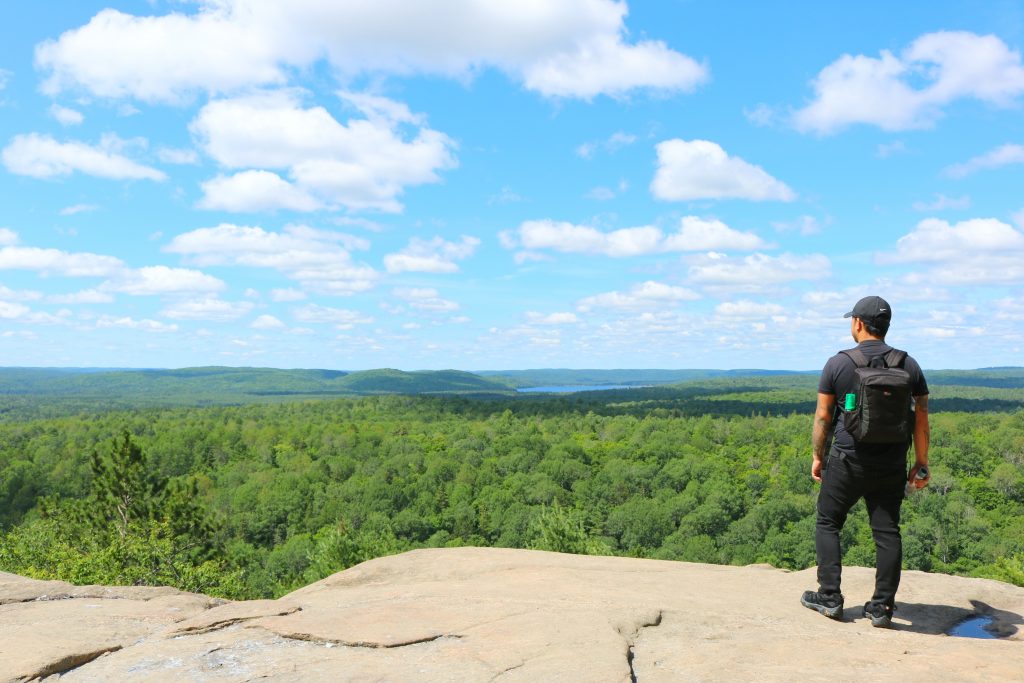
124,490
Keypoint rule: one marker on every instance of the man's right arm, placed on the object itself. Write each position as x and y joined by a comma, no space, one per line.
922,435
819,435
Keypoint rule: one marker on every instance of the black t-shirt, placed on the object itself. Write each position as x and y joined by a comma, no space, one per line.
838,378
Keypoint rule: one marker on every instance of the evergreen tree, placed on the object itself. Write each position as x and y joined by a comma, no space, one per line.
133,528
124,490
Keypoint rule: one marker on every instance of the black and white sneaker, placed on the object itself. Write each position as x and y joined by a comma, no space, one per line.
829,605
880,615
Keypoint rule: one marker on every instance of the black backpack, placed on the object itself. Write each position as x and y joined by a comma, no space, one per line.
884,410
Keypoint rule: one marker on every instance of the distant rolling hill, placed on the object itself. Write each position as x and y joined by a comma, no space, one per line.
388,381
625,377
224,385
48,392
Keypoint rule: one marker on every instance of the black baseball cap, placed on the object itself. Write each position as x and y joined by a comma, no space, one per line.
873,310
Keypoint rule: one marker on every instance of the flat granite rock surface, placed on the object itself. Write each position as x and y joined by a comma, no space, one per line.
488,614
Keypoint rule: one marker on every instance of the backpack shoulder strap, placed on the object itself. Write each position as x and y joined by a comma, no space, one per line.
857,356
895,358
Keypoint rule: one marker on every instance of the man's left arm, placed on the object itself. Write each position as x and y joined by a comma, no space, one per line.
823,414
922,435
922,428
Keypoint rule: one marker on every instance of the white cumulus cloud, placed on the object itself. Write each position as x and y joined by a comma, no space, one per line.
13,311
365,163
340,317
940,332
425,299
701,169
159,58
805,225
209,308
77,209
86,296
761,115
614,142
146,324
320,260
1000,156
697,234
66,116
937,240
431,256
563,318
886,150
1009,309
287,294
57,262
755,272
8,294
748,309
601,194
694,234
882,91
608,66
40,156
162,280
649,294
254,191
569,238
266,322
170,155
975,251
571,48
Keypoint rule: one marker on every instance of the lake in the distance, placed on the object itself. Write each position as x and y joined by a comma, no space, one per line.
571,389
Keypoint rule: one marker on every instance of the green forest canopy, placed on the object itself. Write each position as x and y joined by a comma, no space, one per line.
255,500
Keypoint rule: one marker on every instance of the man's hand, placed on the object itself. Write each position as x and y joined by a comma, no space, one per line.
816,469
919,483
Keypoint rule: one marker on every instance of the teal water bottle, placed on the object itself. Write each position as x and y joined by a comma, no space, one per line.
850,403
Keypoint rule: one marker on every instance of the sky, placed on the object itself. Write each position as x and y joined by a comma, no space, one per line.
490,185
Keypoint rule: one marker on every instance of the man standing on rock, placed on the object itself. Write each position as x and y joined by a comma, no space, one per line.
876,400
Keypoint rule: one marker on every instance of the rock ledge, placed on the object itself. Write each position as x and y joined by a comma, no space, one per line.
486,614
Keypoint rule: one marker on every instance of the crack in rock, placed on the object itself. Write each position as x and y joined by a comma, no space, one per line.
631,639
629,662
226,623
99,595
48,598
310,638
71,662
498,675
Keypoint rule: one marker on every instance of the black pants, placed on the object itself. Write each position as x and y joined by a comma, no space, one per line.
843,483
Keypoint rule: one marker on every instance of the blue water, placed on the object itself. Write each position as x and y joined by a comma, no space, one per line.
573,388
973,627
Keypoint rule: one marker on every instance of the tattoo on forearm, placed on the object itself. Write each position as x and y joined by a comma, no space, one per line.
819,436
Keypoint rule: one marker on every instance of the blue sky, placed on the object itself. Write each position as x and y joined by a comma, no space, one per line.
479,185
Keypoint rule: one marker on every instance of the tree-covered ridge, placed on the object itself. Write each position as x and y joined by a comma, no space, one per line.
27,393
294,491
389,381
1007,378
32,392
221,384
627,377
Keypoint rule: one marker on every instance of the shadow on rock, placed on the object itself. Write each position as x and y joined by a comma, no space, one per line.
939,619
